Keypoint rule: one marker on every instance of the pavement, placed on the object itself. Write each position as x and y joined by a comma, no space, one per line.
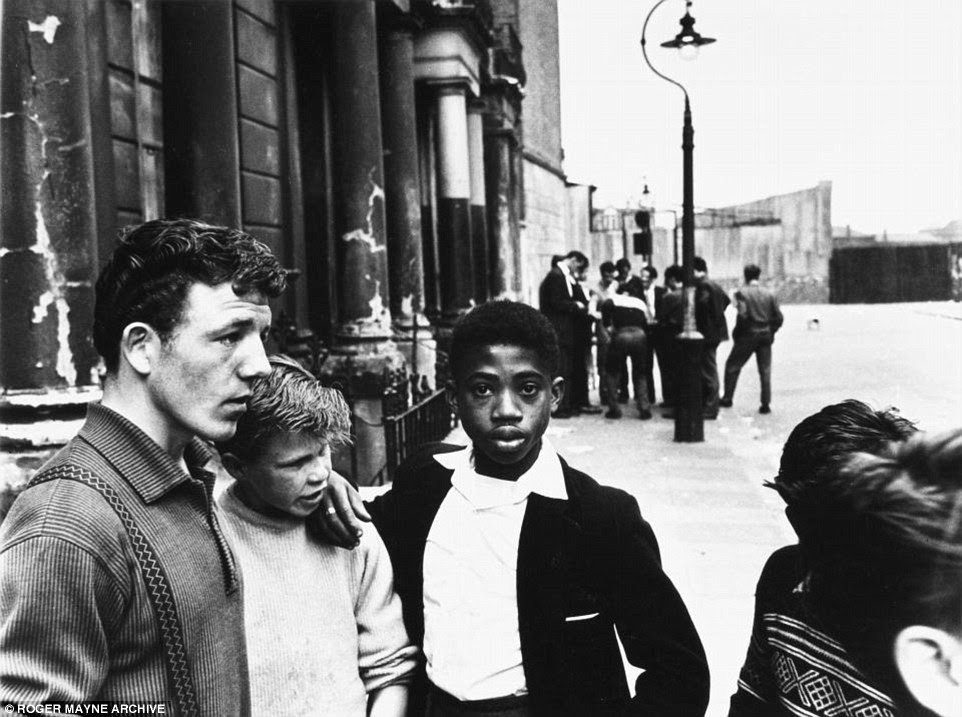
715,521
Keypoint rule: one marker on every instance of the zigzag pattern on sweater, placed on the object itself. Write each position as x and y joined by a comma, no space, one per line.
156,581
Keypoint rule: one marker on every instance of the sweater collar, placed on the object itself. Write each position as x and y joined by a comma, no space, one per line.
148,468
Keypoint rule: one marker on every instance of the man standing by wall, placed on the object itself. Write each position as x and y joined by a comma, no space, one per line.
759,317
116,583
559,300
710,304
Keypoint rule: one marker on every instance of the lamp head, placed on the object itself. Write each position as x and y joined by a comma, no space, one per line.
688,41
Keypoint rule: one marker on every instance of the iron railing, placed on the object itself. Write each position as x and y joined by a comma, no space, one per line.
427,421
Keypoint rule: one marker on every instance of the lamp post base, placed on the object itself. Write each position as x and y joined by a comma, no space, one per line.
689,418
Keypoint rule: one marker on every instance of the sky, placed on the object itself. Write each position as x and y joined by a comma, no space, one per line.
864,93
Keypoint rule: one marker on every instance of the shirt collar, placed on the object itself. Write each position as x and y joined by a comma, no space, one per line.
545,477
145,465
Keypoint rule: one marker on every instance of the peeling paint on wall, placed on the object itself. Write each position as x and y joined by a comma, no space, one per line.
53,299
380,316
366,234
48,27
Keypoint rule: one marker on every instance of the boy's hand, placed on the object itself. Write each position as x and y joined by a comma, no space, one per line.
337,519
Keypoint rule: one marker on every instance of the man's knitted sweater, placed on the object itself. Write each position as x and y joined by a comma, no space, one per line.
76,618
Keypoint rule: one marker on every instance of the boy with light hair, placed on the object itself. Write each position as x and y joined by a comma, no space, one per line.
324,627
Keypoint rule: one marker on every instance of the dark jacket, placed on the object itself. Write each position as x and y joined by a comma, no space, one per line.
592,553
795,665
710,304
670,312
563,310
758,312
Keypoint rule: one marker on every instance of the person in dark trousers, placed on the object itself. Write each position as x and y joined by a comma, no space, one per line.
759,318
560,302
710,304
670,312
605,288
581,352
651,293
789,634
515,570
630,284
626,320
116,581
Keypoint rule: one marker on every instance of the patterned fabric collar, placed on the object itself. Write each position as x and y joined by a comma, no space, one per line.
146,466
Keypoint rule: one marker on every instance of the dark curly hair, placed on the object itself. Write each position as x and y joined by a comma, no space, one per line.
504,323
898,561
155,264
820,441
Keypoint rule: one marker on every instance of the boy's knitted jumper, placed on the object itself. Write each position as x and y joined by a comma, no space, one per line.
323,623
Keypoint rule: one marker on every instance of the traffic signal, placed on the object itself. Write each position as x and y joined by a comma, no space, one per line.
643,237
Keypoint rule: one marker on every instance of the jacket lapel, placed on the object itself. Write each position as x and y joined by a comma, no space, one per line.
548,553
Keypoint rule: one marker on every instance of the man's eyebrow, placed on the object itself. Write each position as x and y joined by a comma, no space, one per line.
234,325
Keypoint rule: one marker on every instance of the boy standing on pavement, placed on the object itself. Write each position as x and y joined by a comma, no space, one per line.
116,582
759,318
515,570
324,628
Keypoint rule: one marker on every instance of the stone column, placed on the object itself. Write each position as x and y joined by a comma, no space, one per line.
479,223
427,151
201,132
363,349
403,198
504,231
57,199
454,192
359,218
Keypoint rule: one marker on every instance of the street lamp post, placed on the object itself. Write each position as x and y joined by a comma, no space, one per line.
689,420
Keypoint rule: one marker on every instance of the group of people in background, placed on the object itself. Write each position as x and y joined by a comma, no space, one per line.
493,578
629,318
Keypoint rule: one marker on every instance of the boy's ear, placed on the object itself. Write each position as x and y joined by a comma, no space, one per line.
557,393
451,394
233,465
929,661
138,347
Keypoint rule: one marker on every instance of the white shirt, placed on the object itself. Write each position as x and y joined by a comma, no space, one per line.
650,302
471,638
569,277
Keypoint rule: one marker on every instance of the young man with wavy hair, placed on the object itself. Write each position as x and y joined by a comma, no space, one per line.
116,582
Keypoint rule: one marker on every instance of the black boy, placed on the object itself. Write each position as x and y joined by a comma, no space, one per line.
514,568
